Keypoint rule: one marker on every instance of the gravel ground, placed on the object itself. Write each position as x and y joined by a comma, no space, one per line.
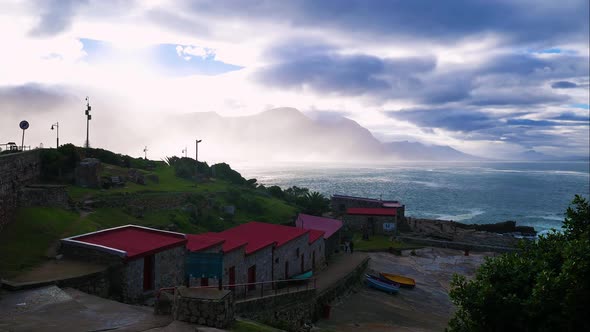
427,307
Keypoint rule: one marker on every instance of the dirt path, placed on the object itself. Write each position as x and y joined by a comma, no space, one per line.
424,308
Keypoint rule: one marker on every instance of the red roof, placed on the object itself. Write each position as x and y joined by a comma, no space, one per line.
315,235
328,225
254,235
197,242
131,241
371,211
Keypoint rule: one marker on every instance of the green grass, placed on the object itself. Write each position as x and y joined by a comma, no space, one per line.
24,242
168,182
250,326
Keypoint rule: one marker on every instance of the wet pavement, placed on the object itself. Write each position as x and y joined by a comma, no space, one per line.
53,309
427,307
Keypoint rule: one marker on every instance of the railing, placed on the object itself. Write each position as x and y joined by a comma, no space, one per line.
259,289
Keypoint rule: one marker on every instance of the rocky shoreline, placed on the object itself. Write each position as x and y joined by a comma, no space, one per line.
503,234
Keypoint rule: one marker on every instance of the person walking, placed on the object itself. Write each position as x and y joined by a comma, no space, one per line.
351,247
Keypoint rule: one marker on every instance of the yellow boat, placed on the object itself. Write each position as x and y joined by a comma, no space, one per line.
402,281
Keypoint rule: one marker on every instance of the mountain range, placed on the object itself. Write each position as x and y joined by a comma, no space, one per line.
286,134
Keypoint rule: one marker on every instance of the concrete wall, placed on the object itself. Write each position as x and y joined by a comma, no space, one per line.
16,171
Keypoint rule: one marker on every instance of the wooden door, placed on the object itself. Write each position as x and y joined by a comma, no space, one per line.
302,263
148,273
252,277
287,270
232,277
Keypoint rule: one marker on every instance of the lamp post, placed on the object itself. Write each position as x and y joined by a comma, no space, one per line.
197,157
145,150
88,118
56,126
197,149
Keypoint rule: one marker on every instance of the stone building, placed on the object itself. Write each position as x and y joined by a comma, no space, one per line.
141,260
372,221
257,252
340,203
332,229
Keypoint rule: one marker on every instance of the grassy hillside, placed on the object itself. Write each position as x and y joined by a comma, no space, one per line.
26,242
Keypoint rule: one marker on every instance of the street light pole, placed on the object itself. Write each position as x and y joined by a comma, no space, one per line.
56,126
197,157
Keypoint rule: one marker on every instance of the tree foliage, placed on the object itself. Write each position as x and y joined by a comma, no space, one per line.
544,287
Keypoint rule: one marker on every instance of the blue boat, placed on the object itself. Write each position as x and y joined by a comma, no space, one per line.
303,276
380,285
378,278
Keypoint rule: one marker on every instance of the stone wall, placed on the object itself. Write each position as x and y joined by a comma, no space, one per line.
333,243
288,311
319,247
97,283
209,307
295,311
74,251
169,267
16,171
44,195
291,252
357,222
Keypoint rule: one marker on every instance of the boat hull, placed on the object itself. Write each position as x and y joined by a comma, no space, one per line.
379,285
401,280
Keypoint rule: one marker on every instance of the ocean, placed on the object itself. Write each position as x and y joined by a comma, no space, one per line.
532,194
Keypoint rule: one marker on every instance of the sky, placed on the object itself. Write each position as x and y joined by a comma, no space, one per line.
489,78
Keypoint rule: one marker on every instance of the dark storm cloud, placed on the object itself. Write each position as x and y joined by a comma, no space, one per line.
517,98
569,116
320,67
32,97
447,118
56,16
564,85
525,21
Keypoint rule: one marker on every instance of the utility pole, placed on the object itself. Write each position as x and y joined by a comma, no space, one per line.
88,118
56,126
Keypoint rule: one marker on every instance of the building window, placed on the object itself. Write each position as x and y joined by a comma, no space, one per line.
297,252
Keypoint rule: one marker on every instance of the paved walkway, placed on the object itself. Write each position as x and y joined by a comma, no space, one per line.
338,267
53,309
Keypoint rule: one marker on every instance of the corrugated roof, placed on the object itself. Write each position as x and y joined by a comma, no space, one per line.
315,235
254,235
371,211
328,225
131,241
197,242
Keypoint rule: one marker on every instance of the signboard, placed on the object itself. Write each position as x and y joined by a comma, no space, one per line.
24,125
201,264
389,226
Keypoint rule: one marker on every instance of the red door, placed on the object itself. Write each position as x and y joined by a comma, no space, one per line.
252,277
302,263
148,273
